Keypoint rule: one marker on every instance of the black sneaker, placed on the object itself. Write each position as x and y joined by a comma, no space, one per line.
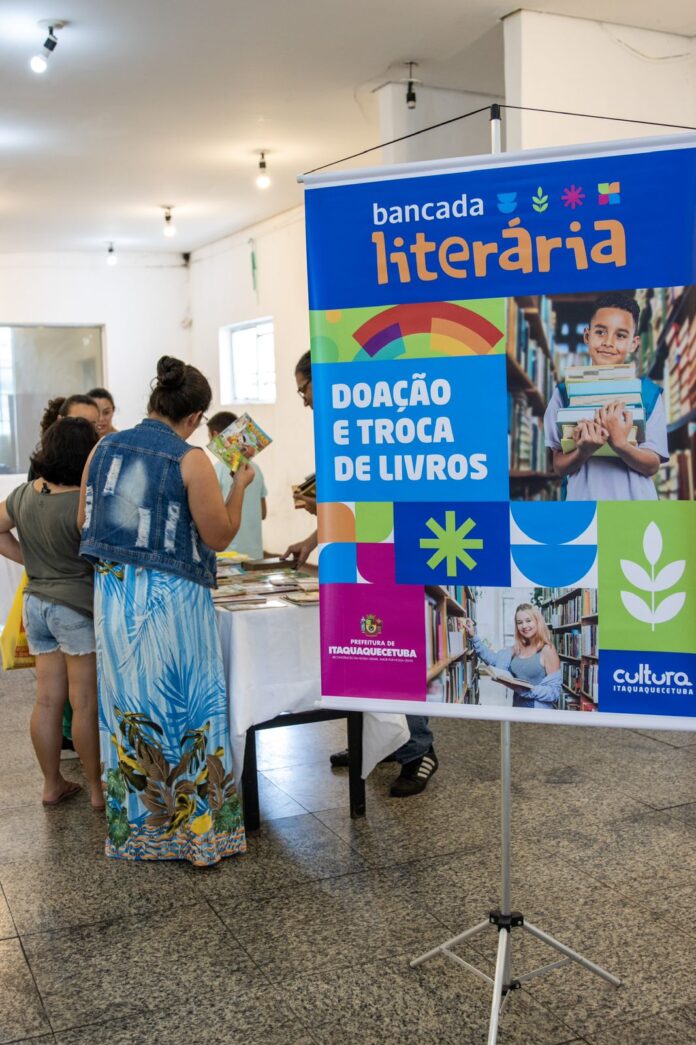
414,776
340,759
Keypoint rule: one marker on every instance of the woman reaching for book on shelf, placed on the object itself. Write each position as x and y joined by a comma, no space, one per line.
532,660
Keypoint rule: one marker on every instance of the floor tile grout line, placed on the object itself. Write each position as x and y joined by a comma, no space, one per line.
3,894
36,988
90,1023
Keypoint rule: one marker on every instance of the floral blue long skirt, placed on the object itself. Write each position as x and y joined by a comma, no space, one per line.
163,722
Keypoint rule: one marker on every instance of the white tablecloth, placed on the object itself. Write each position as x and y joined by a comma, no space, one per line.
271,659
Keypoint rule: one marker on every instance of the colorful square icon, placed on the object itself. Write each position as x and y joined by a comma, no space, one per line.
609,192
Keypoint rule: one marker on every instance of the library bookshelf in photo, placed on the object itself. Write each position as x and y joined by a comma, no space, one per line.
531,379
452,674
668,356
571,614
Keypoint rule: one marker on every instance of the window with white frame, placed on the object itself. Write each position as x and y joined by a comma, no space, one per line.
247,363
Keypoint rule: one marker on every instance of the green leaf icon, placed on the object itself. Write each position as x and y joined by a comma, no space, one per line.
540,202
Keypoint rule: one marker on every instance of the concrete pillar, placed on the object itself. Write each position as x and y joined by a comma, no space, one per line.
574,64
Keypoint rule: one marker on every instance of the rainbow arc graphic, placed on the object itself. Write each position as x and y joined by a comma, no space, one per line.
454,330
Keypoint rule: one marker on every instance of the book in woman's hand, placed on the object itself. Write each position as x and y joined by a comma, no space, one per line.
240,441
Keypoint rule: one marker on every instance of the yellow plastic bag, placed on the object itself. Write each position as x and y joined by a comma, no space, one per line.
13,642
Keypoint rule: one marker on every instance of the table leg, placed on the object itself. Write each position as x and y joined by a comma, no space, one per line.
250,785
356,784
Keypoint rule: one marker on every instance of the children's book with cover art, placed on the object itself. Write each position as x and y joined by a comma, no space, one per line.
240,441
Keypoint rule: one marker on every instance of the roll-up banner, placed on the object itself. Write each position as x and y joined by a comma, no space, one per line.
504,387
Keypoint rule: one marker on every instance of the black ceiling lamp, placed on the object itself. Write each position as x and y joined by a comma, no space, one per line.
410,89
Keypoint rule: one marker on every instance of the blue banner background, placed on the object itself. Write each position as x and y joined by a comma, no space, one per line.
656,204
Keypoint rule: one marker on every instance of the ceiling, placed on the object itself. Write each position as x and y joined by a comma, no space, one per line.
150,102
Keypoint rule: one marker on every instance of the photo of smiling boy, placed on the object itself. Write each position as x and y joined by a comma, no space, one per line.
611,338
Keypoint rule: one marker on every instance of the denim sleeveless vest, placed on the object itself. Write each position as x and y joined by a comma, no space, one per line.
136,509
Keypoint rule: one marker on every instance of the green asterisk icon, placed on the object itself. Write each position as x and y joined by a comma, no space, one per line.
451,543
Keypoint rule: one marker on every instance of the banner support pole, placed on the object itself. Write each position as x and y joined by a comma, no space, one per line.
503,918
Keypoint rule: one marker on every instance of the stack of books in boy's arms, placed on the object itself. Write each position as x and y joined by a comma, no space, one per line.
590,388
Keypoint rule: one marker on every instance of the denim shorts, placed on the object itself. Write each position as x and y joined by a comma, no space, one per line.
51,627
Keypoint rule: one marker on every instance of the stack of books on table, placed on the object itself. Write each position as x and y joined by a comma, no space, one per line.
589,389
240,588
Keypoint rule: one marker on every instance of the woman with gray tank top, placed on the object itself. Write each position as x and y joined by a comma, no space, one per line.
532,659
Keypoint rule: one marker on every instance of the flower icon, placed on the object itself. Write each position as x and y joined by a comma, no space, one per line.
573,196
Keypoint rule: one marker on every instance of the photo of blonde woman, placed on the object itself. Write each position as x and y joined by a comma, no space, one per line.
530,660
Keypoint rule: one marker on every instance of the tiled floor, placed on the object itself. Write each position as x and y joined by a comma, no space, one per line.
307,938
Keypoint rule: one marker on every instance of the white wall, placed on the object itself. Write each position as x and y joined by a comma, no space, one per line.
577,65
469,137
222,293
142,303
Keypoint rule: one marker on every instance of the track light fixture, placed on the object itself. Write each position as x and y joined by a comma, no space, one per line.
410,89
169,228
39,62
111,256
262,178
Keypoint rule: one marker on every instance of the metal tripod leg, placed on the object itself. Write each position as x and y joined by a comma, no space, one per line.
444,948
571,955
501,966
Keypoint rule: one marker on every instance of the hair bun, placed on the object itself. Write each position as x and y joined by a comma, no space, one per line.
171,373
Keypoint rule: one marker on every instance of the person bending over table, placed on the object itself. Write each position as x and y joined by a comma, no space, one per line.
152,517
532,658
417,756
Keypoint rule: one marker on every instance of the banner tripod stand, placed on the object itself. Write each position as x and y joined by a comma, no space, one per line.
504,920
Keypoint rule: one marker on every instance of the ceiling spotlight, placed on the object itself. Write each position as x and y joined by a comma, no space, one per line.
410,89
169,228
39,62
111,256
262,178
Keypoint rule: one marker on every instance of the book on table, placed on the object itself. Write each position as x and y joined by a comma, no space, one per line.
303,598
271,562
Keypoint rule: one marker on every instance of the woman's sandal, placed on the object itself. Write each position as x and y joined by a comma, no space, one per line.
70,792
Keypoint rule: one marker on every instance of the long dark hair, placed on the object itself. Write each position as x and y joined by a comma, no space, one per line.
63,451
178,390
60,407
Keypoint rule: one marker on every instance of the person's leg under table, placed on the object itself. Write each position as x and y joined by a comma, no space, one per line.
417,757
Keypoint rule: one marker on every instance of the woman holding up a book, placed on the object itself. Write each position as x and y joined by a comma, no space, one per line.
532,660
